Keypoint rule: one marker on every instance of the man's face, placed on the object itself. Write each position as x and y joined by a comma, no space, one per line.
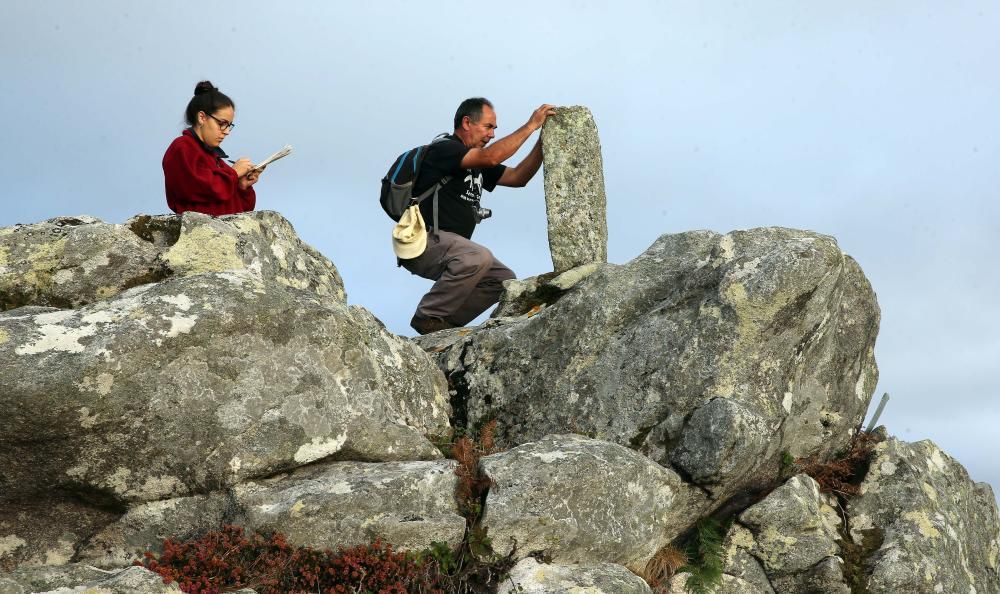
481,133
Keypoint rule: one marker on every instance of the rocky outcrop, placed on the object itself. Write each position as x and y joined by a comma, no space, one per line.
207,371
531,577
712,354
923,526
579,500
72,261
574,189
191,385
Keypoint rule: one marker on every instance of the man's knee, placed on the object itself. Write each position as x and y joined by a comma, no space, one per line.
472,261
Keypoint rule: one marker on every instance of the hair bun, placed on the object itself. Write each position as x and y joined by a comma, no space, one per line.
204,87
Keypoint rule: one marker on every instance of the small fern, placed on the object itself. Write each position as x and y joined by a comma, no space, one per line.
706,556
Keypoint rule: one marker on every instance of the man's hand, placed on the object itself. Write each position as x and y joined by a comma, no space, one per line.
538,117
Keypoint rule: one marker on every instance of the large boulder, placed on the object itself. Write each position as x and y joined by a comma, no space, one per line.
580,500
197,383
72,261
713,354
575,204
794,534
406,504
923,526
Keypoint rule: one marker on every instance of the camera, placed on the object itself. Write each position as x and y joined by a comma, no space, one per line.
482,213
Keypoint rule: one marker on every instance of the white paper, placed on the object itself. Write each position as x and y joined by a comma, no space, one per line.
284,152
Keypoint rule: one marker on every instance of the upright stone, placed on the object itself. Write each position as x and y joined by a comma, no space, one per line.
574,189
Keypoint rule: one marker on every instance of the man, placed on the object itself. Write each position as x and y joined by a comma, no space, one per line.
468,279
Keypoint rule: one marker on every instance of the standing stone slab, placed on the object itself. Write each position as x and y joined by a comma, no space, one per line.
574,189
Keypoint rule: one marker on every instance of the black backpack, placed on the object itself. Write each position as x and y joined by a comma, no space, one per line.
397,185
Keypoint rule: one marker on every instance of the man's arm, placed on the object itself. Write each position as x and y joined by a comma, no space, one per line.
519,176
503,149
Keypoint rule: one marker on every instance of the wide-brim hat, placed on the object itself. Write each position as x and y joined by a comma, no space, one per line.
409,236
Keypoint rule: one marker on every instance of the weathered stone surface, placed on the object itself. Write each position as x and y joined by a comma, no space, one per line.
793,528
146,525
407,504
581,500
934,529
197,383
770,330
45,531
531,577
574,189
29,580
521,296
72,261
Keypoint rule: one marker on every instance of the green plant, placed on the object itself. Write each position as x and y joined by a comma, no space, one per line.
706,556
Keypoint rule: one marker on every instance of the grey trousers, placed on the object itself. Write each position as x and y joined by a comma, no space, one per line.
468,279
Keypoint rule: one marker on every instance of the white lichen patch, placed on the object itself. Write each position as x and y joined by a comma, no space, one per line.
923,523
936,463
859,387
279,254
101,384
929,491
181,301
786,402
159,487
339,488
98,317
550,457
179,325
86,419
10,543
887,468
235,464
61,553
726,245
118,482
320,448
55,337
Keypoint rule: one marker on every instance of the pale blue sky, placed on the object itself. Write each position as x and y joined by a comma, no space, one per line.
872,122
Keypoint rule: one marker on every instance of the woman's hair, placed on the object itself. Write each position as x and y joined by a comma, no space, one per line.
206,98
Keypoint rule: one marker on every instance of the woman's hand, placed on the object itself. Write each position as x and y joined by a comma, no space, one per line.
251,178
243,166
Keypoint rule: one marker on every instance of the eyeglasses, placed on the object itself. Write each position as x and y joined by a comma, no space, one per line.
223,124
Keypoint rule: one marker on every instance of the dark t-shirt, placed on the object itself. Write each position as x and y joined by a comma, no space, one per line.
459,198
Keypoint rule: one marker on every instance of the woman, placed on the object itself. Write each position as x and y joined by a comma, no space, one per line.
195,175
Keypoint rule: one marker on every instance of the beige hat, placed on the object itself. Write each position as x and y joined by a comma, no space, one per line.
409,236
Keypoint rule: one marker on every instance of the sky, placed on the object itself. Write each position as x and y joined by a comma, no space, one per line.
874,122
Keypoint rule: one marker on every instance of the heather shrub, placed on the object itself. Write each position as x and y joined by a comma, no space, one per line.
843,474
230,559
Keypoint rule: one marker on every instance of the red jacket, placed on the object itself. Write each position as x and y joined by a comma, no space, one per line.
196,178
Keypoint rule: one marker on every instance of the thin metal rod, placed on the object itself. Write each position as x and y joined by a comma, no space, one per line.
878,412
